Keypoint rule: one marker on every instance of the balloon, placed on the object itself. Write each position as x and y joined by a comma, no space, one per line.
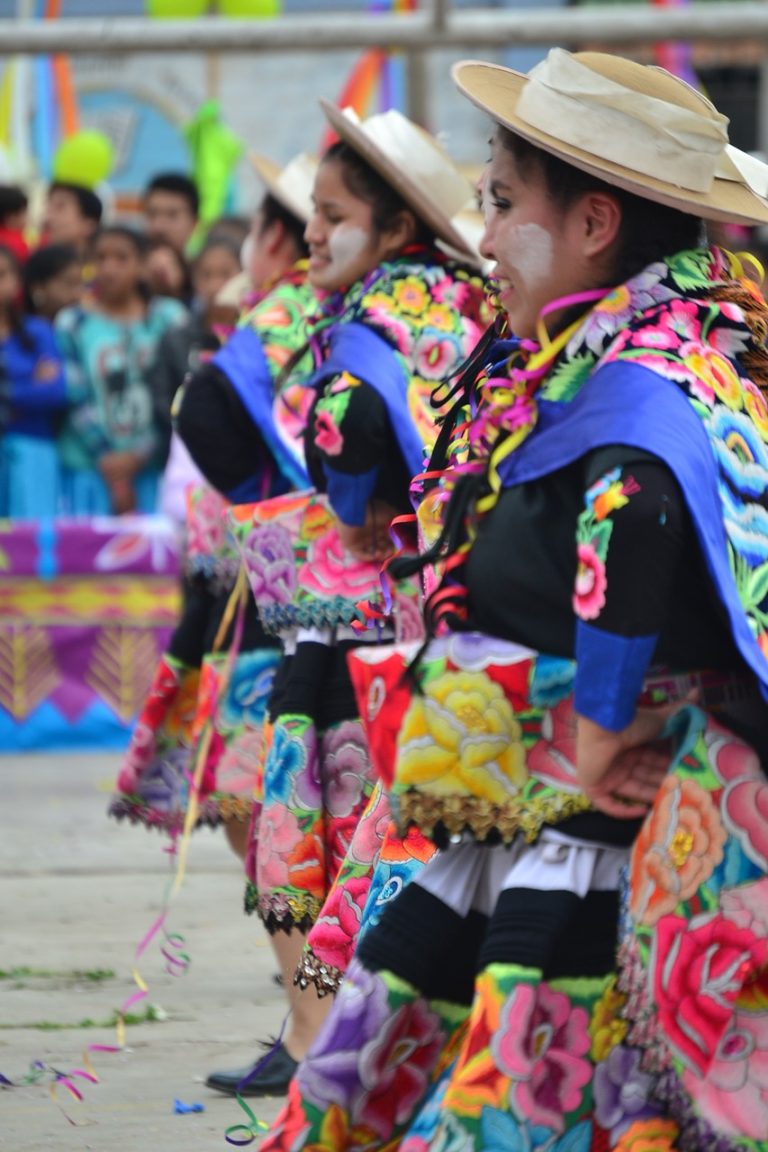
261,9
85,158
176,9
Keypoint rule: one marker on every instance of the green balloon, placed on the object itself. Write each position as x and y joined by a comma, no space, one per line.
85,158
261,9
176,9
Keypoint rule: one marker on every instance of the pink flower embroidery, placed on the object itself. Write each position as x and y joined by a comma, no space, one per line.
330,571
733,1096
435,356
328,438
279,833
334,935
542,1044
698,974
395,1066
591,583
745,803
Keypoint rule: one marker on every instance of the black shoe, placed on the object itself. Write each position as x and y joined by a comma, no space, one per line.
271,1076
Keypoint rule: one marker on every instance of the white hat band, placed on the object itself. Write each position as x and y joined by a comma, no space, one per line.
566,99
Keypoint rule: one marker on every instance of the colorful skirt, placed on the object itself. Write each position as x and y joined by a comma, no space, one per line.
203,719
376,869
559,1052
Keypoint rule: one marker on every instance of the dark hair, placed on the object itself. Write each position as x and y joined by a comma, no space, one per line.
154,244
12,200
273,212
15,311
45,264
648,232
230,228
180,185
214,242
364,182
88,203
124,232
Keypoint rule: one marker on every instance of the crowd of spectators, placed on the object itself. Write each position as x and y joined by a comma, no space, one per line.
99,323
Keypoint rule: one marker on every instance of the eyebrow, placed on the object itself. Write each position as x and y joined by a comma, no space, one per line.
496,186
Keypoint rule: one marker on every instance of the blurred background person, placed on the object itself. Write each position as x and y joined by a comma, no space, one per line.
72,215
13,220
167,271
53,280
32,396
171,207
111,445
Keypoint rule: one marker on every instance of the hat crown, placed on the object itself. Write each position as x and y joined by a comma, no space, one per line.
418,156
632,125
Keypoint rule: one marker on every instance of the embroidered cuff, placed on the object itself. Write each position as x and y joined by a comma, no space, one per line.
610,671
349,493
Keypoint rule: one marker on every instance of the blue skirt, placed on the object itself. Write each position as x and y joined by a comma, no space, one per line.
30,477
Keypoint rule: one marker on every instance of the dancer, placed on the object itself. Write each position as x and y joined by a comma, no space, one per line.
152,787
397,316
604,550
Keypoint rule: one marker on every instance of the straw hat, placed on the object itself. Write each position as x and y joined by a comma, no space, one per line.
634,126
413,163
291,186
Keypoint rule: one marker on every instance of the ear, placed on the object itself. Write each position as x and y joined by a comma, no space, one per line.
273,237
401,232
600,222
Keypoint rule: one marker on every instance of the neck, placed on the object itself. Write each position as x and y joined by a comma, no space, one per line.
125,307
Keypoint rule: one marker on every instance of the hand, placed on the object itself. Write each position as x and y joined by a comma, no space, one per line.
621,772
371,541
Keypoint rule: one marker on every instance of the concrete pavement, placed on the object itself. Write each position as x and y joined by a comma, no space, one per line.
77,894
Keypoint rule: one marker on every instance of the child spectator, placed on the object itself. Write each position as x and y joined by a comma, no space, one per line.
32,394
167,271
72,216
13,220
111,446
53,279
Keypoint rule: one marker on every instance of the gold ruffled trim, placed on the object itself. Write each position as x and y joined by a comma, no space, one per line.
233,807
483,818
326,978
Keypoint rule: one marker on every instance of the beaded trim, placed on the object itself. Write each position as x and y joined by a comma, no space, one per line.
440,817
277,618
326,978
281,913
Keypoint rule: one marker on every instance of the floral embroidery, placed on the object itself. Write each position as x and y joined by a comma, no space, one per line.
649,1136
462,731
593,534
677,850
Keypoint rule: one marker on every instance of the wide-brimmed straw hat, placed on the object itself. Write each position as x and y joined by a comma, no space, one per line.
633,125
413,163
292,185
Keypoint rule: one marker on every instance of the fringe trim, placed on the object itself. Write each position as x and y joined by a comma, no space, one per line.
443,817
326,978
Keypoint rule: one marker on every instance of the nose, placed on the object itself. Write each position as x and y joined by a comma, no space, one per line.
313,231
485,247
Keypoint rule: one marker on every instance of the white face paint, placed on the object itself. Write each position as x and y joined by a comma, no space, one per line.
526,249
346,245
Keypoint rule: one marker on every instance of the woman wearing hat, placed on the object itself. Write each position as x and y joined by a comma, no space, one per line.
592,703
397,315
245,442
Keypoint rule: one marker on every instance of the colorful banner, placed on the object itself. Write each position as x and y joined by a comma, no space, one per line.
86,609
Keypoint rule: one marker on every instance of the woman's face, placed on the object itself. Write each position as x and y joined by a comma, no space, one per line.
118,268
343,243
531,238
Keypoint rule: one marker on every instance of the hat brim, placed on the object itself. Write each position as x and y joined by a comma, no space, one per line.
269,174
496,90
422,206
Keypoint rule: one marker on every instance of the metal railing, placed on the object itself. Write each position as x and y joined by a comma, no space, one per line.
437,27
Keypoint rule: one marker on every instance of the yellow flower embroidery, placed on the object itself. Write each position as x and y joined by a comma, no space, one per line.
410,296
461,736
606,1027
717,373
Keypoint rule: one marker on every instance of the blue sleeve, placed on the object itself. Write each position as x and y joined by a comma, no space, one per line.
27,392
